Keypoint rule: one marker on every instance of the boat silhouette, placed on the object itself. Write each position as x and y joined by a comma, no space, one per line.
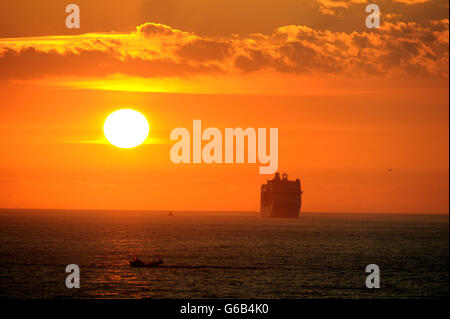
136,262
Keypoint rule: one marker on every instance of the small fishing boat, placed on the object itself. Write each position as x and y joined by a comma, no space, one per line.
136,262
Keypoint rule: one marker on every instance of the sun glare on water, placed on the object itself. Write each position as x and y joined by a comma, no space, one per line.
126,128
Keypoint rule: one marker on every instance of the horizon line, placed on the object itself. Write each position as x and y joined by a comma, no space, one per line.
3,209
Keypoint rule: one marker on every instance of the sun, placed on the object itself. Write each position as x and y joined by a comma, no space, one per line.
126,128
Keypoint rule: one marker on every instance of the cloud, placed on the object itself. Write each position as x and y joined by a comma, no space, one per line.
151,29
32,63
336,7
412,1
395,49
202,50
331,7
254,60
154,50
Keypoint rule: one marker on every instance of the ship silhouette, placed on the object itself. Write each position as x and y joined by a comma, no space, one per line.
281,197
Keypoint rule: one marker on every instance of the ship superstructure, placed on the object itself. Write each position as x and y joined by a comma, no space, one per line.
281,197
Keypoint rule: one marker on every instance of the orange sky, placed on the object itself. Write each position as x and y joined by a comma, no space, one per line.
362,114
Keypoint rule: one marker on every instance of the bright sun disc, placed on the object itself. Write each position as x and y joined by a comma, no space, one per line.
126,128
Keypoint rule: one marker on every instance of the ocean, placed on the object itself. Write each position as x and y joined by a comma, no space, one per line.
222,255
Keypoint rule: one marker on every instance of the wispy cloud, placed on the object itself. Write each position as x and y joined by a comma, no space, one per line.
155,50
334,7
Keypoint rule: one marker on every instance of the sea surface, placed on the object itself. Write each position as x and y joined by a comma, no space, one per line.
222,255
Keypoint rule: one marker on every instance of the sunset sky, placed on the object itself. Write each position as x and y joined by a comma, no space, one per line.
362,114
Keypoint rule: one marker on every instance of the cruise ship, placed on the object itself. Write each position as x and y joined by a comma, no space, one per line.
281,197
